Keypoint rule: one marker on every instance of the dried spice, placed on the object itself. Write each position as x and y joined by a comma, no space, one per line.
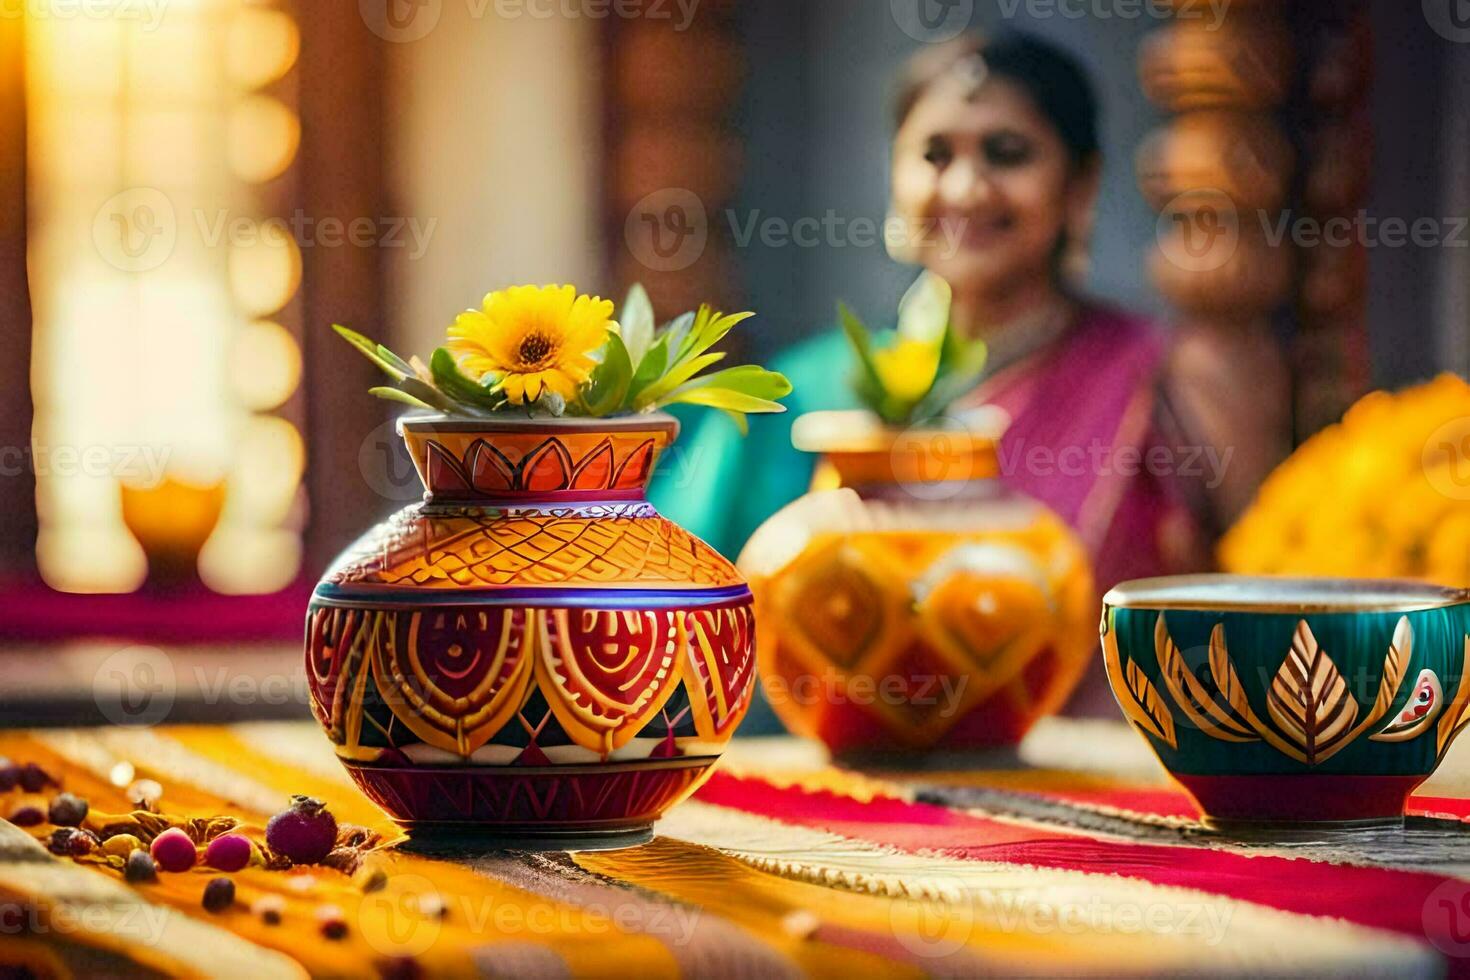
71,842
27,815
219,894
67,810
33,778
140,868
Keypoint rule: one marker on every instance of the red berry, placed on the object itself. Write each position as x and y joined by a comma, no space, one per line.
9,775
228,852
305,831
173,850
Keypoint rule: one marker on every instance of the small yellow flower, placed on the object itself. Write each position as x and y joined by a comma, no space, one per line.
907,368
532,340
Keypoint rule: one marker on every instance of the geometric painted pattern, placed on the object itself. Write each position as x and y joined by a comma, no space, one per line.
607,546
925,638
538,684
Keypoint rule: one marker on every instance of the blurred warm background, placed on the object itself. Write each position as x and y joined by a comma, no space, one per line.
192,191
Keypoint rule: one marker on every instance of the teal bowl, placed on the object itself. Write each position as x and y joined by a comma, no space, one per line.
1291,700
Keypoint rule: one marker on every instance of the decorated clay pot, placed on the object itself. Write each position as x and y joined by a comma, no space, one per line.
532,654
1291,700
910,602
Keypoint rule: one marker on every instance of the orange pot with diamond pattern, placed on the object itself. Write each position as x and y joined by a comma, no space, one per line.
912,603
533,655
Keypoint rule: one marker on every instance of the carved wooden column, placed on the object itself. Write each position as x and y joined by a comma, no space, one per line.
1220,175
673,159
1332,365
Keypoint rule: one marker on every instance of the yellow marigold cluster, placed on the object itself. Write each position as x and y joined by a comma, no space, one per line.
1384,493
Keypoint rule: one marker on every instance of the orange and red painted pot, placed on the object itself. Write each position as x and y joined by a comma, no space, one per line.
533,655
911,603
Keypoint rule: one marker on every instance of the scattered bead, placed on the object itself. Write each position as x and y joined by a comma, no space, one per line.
400,968
269,909
432,905
228,852
219,894
332,924
121,845
33,778
305,831
173,850
144,793
140,867
67,810
27,815
121,774
301,883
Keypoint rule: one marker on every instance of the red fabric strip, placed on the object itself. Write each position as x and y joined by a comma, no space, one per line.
1167,801
1394,900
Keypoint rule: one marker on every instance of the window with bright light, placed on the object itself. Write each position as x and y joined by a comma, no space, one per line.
164,271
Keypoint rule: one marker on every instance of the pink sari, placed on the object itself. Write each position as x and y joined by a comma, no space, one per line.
1085,440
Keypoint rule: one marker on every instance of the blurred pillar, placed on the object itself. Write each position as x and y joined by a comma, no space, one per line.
674,160
17,483
1332,365
341,175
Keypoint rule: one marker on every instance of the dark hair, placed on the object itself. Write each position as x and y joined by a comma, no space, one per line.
1054,80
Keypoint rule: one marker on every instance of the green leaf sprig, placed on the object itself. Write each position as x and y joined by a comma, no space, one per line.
914,373
641,368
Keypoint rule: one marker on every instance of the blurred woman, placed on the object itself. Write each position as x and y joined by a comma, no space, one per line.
1137,445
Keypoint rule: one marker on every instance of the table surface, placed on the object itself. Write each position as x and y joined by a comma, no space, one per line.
1079,858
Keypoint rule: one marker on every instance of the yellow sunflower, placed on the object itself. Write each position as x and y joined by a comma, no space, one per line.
531,340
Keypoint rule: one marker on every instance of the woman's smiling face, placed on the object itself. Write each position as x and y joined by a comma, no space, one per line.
986,183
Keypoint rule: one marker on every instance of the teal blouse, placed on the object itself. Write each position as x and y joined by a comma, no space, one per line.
722,486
